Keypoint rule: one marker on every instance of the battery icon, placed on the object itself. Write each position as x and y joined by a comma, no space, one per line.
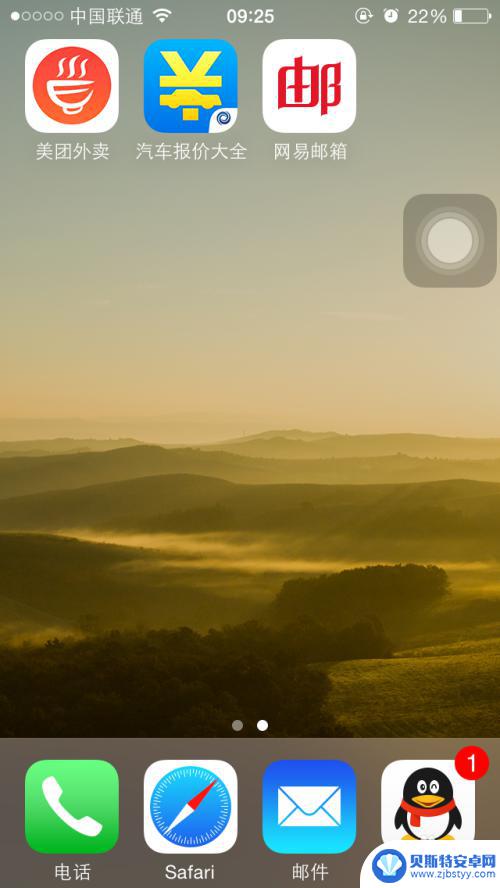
477,16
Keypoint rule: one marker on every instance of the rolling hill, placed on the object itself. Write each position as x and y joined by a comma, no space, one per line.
297,444
58,585
418,694
456,519
48,446
26,475
22,475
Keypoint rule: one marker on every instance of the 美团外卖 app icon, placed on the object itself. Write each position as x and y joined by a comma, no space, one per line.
71,86
426,800
71,807
190,807
190,86
309,86
309,807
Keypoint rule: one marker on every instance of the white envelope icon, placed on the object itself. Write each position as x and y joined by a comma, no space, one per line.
309,806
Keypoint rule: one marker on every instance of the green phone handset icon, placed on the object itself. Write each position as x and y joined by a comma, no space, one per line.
72,806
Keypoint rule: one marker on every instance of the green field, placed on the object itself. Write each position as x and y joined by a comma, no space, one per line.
420,692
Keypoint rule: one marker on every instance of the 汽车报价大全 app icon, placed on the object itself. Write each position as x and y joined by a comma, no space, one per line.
71,86
309,86
190,86
71,807
309,807
190,807
426,800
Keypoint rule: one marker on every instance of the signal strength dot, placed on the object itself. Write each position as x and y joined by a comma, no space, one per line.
162,14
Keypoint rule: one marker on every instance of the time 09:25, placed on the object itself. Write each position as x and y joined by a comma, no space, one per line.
250,16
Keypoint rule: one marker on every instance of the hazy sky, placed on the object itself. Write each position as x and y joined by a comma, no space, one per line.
246,295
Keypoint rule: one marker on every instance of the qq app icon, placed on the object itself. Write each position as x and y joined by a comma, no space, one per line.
427,800
190,807
71,86
309,86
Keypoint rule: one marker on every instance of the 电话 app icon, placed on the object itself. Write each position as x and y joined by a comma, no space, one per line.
71,807
190,86
71,86
190,807
450,240
426,801
309,807
309,86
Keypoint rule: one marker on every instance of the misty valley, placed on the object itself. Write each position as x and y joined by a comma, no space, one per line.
149,591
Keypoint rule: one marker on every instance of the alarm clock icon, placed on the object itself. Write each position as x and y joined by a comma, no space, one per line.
391,15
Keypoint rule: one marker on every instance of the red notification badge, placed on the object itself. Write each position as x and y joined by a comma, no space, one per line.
472,762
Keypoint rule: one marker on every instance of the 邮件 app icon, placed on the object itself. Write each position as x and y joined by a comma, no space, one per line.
190,807
309,86
309,807
190,86
426,800
71,807
71,86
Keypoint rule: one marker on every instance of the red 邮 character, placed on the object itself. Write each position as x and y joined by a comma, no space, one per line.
306,86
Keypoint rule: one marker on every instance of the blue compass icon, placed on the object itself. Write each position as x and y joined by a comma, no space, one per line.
190,806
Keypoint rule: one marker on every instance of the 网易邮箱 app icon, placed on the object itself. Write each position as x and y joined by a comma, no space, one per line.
190,807
190,86
71,807
309,86
71,86
309,807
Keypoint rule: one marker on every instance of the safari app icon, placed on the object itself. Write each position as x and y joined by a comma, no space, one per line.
190,807
71,86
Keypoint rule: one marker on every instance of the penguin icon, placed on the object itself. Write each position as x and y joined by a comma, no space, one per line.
428,809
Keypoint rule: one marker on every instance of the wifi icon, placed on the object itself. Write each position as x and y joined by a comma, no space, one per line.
162,14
